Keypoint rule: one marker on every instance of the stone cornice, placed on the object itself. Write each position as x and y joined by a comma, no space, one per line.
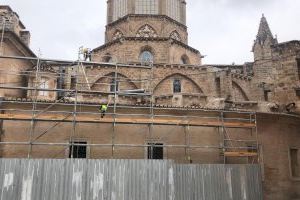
157,39
145,16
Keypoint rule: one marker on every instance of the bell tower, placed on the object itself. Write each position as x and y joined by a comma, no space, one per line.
140,31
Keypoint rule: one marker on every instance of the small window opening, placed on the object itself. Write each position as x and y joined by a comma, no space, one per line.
43,84
218,86
176,86
294,159
298,66
266,95
146,57
184,60
114,85
107,58
297,92
73,82
155,151
78,150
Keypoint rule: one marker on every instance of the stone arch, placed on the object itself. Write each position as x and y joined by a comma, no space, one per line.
146,31
103,83
238,94
117,35
165,86
147,48
175,35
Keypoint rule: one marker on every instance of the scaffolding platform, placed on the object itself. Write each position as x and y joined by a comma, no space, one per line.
240,154
75,83
127,120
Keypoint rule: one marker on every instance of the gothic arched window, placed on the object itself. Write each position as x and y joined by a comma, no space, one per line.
146,57
176,86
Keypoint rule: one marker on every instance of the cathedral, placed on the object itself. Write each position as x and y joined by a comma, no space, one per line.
163,103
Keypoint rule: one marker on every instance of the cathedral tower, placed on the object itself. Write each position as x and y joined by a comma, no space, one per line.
145,31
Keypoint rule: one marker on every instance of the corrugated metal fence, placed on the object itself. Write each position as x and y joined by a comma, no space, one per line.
218,182
22,179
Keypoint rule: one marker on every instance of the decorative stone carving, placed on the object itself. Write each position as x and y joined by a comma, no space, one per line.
44,67
146,31
175,35
118,34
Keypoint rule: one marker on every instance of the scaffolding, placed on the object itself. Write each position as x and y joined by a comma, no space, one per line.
222,120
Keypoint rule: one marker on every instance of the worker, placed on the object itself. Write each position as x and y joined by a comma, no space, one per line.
103,109
85,51
290,107
87,54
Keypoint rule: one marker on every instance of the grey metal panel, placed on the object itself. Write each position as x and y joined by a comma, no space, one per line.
82,179
214,182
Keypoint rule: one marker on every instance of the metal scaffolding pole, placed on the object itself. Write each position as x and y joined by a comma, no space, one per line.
151,109
74,123
116,88
223,136
183,121
34,107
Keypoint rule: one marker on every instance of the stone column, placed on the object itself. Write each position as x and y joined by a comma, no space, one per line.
183,12
109,11
163,7
130,6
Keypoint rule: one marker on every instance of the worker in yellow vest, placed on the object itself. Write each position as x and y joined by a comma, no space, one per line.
103,109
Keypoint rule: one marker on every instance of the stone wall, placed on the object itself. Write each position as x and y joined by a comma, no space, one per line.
277,134
129,27
12,71
274,140
129,50
197,83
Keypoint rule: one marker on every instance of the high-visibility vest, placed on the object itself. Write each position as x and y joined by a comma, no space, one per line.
103,107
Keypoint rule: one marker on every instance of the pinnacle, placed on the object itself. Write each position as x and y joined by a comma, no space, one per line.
264,30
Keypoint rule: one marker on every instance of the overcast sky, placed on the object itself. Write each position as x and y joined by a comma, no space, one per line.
223,30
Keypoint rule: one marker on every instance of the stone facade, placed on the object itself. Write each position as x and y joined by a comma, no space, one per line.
156,28
15,43
174,81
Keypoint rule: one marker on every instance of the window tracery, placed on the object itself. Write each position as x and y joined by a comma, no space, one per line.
146,31
118,34
175,35
146,57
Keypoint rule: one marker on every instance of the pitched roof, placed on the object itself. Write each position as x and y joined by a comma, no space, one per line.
264,31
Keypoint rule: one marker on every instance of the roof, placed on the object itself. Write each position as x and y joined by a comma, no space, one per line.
264,30
17,38
264,33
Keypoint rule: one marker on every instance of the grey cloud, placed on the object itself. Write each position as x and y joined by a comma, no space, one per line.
222,29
